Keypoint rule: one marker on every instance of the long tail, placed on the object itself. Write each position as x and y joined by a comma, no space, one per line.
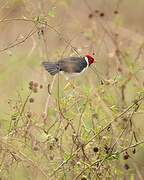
52,68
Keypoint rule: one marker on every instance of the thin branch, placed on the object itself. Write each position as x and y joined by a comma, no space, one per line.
91,139
31,33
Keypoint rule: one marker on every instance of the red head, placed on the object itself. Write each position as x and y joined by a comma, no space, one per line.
90,59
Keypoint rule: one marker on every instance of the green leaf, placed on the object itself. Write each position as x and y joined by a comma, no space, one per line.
66,156
51,13
113,156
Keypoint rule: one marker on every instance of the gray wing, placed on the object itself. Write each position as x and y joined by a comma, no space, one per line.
51,67
72,64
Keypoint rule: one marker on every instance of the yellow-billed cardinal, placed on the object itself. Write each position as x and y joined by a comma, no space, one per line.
70,65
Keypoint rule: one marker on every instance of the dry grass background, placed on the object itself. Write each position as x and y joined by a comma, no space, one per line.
94,131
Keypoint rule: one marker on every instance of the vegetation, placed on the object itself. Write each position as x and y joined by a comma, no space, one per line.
93,129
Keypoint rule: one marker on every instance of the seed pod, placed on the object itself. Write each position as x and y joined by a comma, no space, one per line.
41,86
126,156
102,14
126,166
90,15
116,12
95,149
134,151
31,83
35,84
31,100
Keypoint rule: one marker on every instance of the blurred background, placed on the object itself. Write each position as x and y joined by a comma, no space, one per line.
32,31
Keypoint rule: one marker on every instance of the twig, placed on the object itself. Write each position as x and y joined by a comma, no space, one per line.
23,108
48,99
23,157
91,139
105,158
22,41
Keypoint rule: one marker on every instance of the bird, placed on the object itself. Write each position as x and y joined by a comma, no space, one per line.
70,65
